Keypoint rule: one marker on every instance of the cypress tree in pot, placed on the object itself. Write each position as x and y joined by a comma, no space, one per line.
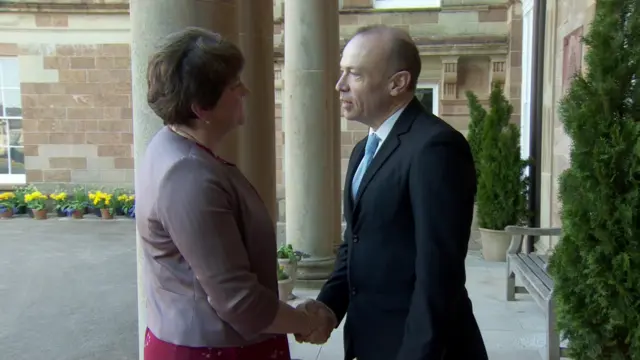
502,186
477,115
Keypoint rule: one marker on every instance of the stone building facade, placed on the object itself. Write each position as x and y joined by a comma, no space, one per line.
65,80
67,66
566,21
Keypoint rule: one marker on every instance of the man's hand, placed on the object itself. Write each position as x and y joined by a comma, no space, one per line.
327,322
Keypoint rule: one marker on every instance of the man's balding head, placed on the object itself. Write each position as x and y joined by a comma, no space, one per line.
380,68
401,53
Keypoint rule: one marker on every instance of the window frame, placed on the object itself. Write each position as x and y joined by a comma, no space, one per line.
406,4
9,178
435,88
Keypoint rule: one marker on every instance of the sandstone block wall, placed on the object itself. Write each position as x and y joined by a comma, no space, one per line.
75,77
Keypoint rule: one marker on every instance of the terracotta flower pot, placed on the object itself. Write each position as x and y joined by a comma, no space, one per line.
6,214
77,214
40,214
105,214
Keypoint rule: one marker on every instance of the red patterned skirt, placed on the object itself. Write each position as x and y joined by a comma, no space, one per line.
276,348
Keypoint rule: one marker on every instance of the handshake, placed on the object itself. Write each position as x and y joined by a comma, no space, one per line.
321,319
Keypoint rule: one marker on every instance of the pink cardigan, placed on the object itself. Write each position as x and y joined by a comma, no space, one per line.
209,248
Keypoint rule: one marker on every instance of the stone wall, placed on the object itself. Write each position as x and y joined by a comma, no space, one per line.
75,75
564,18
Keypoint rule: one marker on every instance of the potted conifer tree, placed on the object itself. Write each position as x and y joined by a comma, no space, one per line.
477,115
501,197
596,264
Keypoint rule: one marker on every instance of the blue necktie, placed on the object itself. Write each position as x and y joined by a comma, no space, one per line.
370,149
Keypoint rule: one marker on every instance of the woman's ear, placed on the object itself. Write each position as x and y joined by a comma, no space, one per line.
200,113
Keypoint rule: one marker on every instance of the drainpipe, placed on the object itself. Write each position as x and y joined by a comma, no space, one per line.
535,143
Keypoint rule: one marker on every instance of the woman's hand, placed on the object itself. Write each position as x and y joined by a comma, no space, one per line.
321,322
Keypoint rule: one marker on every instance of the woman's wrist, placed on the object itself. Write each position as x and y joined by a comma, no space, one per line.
305,322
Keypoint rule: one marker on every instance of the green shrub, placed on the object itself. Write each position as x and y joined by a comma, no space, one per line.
596,265
477,115
501,197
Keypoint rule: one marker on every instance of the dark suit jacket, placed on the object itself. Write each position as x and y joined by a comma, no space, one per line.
400,273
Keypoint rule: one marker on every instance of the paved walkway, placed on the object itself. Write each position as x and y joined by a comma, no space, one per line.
68,292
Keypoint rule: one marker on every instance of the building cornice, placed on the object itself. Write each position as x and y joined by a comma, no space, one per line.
458,45
67,7
446,8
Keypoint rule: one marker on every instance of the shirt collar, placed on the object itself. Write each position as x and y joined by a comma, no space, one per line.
384,129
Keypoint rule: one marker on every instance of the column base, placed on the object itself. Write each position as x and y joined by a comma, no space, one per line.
310,284
315,268
336,247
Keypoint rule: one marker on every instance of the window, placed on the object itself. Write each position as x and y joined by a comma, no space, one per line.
526,83
11,139
406,4
427,94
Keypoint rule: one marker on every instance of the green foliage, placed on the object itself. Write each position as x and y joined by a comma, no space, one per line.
287,252
477,115
596,265
501,197
282,275
20,192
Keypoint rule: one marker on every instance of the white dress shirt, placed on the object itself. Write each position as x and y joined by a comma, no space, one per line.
384,129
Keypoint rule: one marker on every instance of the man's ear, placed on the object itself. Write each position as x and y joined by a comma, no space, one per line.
399,83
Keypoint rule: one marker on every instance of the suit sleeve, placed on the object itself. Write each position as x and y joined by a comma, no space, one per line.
335,292
442,187
197,212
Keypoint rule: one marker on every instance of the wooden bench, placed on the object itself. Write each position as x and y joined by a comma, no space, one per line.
531,270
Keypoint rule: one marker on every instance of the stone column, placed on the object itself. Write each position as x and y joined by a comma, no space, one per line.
152,20
309,149
334,115
257,153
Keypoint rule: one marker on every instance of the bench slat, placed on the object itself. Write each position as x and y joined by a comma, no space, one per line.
541,262
535,275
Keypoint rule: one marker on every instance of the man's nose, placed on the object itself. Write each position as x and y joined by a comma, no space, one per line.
341,85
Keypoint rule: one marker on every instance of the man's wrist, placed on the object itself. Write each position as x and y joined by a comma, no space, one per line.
334,319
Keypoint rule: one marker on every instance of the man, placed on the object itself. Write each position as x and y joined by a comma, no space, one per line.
400,273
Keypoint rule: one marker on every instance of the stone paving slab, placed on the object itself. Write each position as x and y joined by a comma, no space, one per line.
68,290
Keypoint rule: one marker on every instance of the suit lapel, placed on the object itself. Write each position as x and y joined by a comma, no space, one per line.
358,154
389,146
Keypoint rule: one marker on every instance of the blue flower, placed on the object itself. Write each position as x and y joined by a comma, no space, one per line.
132,211
4,209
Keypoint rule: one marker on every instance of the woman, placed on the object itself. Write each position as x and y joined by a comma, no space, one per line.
209,243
